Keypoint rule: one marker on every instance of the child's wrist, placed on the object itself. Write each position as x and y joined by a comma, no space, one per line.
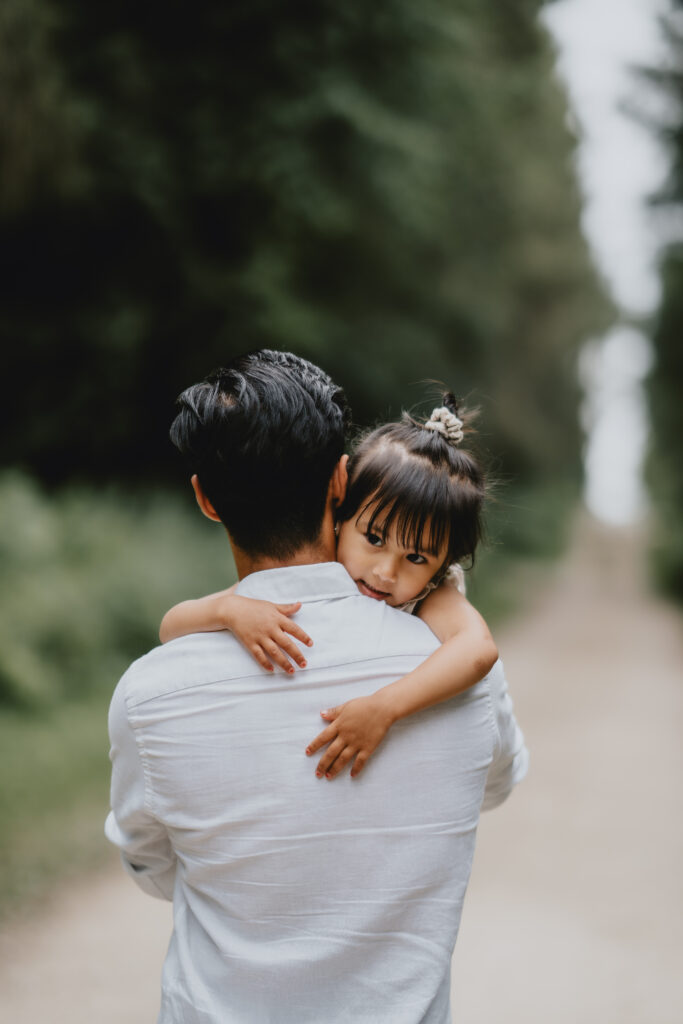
387,706
400,700
225,612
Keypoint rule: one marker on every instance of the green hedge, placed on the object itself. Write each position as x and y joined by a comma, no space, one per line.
86,579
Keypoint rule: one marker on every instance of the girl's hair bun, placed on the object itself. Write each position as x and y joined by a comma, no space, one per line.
445,420
451,402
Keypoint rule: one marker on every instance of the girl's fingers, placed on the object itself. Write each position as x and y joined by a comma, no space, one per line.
277,655
260,656
359,764
289,609
331,754
331,713
340,763
326,736
296,631
290,648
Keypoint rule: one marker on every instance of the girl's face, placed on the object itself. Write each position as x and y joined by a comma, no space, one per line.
385,570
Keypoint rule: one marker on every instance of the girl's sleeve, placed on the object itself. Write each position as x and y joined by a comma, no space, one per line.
455,577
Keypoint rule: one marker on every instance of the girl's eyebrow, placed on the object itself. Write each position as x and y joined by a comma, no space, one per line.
363,521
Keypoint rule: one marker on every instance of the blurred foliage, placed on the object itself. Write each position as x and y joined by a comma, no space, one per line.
665,464
54,795
388,190
86,580
526,527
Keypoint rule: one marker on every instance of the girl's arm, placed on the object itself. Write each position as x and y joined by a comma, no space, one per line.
466,654
264,628
202,615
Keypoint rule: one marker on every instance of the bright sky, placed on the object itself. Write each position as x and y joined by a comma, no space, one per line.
620,165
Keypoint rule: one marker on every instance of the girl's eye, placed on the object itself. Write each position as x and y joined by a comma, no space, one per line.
416,559
374,539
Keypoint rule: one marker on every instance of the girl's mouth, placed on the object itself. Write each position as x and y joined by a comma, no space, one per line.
379,595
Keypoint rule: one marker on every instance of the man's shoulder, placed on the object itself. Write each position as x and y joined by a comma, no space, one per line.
388,631
410,627
188,661
368,631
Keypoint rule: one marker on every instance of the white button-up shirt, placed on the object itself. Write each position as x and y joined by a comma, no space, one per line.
299,900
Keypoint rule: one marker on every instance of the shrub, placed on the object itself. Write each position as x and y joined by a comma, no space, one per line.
87,577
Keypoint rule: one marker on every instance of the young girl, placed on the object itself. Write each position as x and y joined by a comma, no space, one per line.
411,515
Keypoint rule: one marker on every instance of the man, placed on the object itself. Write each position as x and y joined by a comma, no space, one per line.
297,900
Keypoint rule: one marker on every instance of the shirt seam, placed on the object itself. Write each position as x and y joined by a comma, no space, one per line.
495,734
136,728
260,675
304,598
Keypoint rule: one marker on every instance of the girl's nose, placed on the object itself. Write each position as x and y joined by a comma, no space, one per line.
386,571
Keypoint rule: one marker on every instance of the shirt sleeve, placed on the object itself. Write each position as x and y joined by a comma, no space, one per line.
510,755
146,851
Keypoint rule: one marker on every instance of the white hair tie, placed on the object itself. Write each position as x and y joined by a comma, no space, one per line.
447,424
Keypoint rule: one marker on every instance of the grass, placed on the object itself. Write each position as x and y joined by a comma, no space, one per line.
86,579
54,798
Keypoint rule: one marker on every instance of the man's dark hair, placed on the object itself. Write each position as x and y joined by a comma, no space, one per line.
263,435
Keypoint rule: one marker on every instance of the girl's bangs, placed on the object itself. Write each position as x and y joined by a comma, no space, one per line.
427,493
415,502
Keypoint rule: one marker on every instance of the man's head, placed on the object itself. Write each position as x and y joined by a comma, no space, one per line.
264,436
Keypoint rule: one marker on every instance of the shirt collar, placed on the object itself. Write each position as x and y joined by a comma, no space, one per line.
323,581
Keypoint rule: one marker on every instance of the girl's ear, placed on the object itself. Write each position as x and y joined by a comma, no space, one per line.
202,500
339,481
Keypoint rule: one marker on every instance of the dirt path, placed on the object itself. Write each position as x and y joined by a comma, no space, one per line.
575,911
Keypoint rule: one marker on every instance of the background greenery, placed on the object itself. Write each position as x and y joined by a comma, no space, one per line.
86,578
387,189
665,469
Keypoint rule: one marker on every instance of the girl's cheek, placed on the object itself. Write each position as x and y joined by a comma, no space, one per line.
343,541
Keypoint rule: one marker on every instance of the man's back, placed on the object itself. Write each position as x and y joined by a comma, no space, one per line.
296,899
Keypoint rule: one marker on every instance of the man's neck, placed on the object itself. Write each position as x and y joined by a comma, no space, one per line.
246,566
323,550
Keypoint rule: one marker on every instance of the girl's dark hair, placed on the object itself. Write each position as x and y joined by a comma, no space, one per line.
417,481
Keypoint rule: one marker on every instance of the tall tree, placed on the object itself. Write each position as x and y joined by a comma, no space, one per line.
387,189
666,379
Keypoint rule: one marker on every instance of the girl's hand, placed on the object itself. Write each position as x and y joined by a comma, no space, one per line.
266,630
357,729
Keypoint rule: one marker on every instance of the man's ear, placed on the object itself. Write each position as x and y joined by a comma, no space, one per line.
339,481
202,500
